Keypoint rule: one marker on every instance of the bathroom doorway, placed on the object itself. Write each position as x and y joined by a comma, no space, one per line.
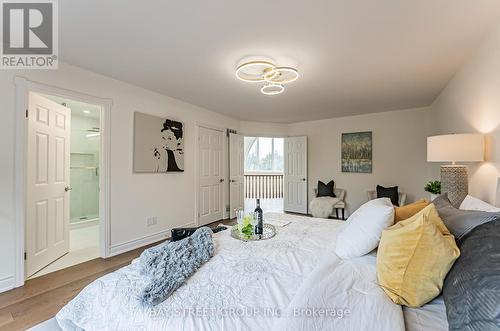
70,233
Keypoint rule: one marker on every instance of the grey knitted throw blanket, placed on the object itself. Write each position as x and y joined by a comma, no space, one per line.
169,265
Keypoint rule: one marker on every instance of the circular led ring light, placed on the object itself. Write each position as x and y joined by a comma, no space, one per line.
272,89
267,71
271,75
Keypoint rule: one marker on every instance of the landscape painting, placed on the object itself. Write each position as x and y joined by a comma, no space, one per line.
357,152
158,144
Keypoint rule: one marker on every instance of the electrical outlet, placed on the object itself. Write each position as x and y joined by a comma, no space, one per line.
152,220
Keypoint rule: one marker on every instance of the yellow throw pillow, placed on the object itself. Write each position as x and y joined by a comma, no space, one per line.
414,257
405,212
432,214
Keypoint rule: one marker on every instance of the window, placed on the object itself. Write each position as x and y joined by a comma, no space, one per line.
263,154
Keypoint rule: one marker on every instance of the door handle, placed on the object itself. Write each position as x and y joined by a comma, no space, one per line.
303,179
233,181
221,180
67,188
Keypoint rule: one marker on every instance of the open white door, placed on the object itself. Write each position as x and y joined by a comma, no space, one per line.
211,176
295,175
236,173
47,182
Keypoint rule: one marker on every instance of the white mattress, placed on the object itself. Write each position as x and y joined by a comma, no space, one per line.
250,286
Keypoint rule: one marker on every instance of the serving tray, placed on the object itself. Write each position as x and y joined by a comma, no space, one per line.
268,232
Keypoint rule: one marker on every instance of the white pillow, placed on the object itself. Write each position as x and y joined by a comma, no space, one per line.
364,229
471,203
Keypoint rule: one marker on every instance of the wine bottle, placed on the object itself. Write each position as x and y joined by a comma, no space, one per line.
260,226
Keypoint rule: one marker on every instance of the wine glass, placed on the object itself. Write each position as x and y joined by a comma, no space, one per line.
239,215
253,218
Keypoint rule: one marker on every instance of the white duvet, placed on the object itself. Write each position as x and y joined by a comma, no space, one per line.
293,281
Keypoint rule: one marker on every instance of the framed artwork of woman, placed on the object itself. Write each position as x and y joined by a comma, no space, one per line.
158,144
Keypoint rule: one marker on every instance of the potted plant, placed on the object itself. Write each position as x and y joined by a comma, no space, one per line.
434,188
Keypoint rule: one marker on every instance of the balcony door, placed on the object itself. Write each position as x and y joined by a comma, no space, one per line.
295,175
264,173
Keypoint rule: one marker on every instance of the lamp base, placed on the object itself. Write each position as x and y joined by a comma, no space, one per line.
455,182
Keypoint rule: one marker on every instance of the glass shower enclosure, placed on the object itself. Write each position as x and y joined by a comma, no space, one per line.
84,169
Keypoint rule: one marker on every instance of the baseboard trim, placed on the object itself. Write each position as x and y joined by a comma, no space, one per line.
145,240
7,283
83,224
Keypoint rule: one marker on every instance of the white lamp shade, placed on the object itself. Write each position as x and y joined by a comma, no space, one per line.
455,148
498,193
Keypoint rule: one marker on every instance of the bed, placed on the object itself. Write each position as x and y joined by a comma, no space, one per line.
293,281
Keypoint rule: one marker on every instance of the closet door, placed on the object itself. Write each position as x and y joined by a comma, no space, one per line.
211,176
236,173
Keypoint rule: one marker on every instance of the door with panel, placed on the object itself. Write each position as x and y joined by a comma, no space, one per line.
211,176
236,173
47,182
295,175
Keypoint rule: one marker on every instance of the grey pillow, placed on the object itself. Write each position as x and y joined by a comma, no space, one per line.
471,289
168,266
460,222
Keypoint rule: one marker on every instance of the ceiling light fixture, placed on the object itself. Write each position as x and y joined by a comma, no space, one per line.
253,72
272,89
266,72
281,75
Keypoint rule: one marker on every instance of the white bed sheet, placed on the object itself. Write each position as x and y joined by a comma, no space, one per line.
351,287
431,316
245,286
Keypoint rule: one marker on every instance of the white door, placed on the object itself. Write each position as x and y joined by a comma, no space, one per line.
236,173
295,175
211,176
47,182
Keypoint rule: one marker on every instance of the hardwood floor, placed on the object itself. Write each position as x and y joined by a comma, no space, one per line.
42,297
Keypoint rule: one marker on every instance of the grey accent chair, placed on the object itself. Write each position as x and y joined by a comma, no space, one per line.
402,197
340,205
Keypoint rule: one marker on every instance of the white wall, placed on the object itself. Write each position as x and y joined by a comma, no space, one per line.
134,197
399,152
261,129
471,103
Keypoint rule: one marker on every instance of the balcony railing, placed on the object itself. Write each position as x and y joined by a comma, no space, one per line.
263,185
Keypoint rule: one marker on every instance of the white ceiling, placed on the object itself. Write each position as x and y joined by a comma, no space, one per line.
354,56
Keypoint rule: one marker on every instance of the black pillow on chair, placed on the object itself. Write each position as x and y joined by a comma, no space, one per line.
326,190
389,192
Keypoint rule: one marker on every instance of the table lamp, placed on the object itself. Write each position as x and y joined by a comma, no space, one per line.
498,192
455,148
